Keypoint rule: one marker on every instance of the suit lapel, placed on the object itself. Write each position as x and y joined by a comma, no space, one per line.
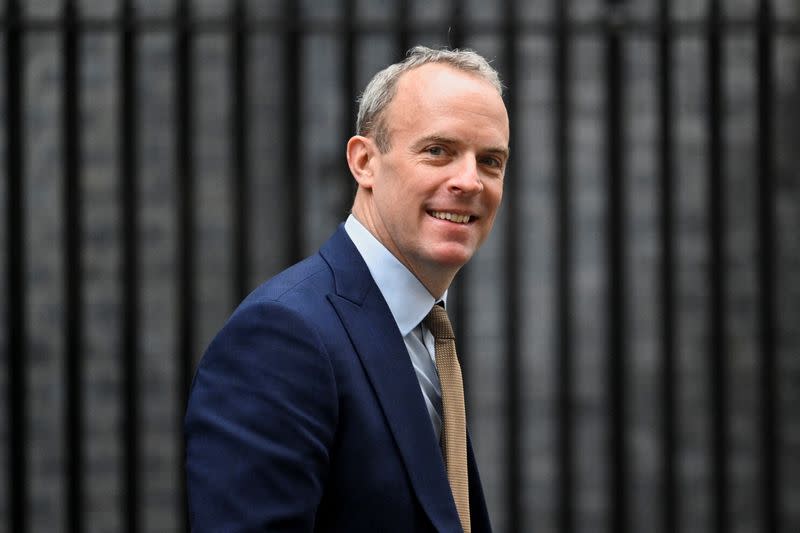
477,503
375,336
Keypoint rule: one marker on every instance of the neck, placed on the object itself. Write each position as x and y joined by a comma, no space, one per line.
436,281
437,290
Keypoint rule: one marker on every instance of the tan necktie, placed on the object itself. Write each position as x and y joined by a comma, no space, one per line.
454,431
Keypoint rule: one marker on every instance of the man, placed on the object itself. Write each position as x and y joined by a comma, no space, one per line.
318,407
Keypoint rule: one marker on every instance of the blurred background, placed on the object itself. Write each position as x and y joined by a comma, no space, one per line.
630,332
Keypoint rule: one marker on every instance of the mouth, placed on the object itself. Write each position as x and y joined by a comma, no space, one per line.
456,218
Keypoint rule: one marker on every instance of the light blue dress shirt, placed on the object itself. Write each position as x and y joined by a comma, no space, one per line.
410,302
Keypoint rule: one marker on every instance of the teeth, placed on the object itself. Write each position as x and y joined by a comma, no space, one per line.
452,217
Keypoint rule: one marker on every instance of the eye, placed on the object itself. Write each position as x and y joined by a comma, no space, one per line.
435,150
490,161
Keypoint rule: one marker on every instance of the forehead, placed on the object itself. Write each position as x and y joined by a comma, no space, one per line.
438,77
437,93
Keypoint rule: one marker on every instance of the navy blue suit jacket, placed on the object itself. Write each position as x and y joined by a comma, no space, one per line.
306,414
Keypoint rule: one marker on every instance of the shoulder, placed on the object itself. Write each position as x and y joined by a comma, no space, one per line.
277,328
297,287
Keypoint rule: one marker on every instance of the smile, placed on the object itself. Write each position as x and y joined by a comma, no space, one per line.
451,217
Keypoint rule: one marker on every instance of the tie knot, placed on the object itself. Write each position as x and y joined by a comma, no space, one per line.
438,323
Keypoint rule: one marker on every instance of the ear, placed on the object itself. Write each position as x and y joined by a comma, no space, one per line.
361,152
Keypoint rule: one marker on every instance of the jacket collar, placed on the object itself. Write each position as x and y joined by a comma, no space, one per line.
379,344
408,299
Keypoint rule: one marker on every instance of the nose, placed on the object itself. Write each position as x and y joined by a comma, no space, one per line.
465,179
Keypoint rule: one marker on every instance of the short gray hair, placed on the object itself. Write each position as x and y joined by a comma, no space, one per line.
382,88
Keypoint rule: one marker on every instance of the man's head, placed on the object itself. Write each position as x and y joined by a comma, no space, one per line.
381,89
429,160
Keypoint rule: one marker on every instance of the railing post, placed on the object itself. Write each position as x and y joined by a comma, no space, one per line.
73,271
513,280
565,449
617,310
667,275
186,224
717,275
130,275
770,438
16,302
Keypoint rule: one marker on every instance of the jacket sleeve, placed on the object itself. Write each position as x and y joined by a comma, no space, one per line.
259,425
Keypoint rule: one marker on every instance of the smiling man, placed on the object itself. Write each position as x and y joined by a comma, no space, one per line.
332,399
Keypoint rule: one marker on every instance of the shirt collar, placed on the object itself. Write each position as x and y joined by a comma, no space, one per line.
408,299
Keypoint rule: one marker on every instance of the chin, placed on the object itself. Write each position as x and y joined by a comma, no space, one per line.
452,258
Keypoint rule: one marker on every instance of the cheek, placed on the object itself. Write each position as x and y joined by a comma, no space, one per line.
494,194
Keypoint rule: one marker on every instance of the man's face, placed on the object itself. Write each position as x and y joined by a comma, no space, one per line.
436,191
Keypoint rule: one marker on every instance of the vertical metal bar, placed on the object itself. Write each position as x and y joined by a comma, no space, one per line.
129,200
73,286
766,268
16,302
455,36
291,127
667,275
717,275
514,465
403,27
456,40
565,448
617,352
186,225
240,141
351,109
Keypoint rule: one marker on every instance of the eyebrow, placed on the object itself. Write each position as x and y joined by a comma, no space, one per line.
499,150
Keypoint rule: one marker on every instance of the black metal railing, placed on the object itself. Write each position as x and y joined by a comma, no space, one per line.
292,25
